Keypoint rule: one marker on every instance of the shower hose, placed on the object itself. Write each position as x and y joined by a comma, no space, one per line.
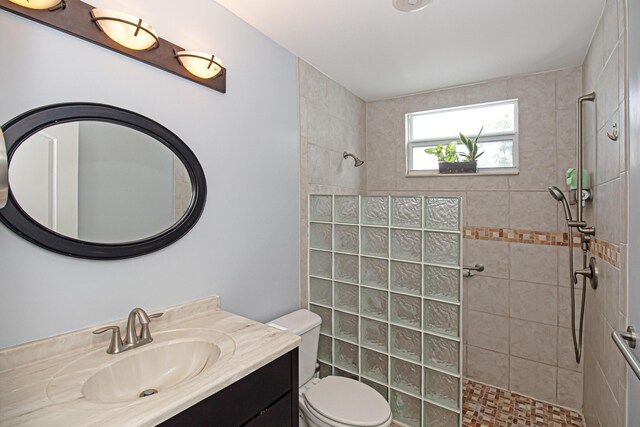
577,338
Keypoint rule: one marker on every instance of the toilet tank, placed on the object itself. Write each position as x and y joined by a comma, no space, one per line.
307,325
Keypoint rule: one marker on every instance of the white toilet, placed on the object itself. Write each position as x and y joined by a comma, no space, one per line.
332,401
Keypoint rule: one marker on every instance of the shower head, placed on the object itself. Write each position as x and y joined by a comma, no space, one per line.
357,161
557,194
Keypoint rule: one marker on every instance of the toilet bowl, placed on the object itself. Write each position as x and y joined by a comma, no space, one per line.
341,402
331,401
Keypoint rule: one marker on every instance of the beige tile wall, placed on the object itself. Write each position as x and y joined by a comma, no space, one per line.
332,120
603,71
515,317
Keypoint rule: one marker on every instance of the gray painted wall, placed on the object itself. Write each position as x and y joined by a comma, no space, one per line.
245,246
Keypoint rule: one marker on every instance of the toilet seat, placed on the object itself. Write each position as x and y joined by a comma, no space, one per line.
343,402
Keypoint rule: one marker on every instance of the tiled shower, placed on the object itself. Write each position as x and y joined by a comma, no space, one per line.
385,275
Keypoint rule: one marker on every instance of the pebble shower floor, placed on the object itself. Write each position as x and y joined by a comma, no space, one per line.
385,276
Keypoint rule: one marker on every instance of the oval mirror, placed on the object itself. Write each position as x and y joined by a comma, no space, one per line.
100,182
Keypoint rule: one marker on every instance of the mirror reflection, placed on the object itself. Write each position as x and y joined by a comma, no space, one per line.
99,182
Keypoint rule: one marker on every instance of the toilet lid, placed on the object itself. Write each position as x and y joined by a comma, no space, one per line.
348,402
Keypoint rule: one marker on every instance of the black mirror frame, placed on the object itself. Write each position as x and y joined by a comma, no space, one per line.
17,130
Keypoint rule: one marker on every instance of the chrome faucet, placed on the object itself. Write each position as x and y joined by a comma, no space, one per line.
132,339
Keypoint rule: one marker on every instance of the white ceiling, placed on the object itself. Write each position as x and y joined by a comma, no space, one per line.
378,52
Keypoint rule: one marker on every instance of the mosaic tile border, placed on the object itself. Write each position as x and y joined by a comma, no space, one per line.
604,250
488,406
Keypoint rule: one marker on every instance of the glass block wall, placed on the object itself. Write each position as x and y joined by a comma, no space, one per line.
385,277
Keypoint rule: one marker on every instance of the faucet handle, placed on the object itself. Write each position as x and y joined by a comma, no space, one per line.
115,345
145,333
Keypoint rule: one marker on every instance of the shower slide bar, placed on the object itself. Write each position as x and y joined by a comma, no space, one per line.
626,341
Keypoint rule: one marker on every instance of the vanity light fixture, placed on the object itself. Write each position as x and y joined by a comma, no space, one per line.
126,30
125,34
203,65
41,4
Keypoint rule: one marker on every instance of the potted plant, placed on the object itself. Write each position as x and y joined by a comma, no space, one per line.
449,158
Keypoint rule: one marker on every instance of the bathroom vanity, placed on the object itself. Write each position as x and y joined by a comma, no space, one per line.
205,367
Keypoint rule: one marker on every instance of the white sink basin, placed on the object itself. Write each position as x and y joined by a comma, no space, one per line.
175,359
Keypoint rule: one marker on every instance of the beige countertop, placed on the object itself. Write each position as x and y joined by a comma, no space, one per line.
36,388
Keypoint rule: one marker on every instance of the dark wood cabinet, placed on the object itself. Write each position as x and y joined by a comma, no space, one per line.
267,397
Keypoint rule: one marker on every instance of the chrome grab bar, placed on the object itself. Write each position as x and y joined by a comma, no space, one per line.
468,269
4,172
625,342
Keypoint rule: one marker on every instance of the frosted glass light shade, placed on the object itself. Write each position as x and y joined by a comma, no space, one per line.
37,4
126,30
203,65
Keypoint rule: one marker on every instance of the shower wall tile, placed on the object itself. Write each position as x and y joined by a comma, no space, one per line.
488,294
538,378
534,341
320,291
531,301
487,331
406,277
488,366
406,409
533,263
520,202
533,210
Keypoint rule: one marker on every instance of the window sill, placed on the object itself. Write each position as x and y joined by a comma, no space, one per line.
485,172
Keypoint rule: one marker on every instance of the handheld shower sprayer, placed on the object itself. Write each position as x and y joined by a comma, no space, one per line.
557,194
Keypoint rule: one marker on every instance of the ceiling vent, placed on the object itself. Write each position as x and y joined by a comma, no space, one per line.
410,5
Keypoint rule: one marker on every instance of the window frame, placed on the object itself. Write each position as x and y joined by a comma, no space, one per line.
411,143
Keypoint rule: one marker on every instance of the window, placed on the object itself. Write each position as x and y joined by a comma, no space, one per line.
499,138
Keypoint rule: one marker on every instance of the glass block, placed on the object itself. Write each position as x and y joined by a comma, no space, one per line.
325,315
320,236
406,409
346,355
435,416
347,239
340,373
345,326
347,209
320,291
325,349
320,208
442,248
442,388
406,277
382,389
374,365
443,283
406,245
374,334
375,241
406,376
373,303
441,317
442,213
406,212
325,370
346,268
441,353
320,263
347,297
375,210
406,310
406,343
375,272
